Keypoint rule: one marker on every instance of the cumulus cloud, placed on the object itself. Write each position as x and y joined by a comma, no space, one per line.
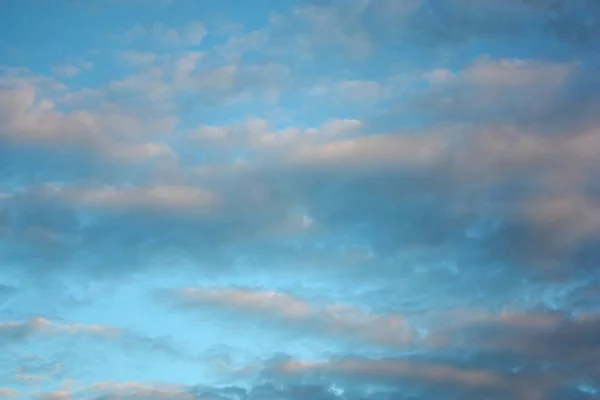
29,118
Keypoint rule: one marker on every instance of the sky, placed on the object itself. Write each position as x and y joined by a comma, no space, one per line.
299,199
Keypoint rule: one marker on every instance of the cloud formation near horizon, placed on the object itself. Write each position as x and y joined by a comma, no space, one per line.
365,199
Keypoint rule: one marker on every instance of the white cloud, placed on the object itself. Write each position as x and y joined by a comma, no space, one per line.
239,44
55,395
7,393
348,321
232,82
185,65
194,33
174,198
136,390
135,32
515,72
573,217
439,75
335,26
247,300
219,78
372,151
211,133
137,58
191,34
340,126
362,91
87,65
319,90
123,390
66,71
28,116
257,134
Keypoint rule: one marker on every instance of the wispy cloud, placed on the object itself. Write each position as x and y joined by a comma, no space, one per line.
336,319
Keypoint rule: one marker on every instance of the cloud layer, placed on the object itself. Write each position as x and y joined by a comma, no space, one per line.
317,199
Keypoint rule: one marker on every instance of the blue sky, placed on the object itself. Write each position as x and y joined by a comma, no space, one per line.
312,199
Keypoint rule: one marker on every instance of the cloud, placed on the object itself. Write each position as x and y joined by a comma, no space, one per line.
340,126
312,30
82,338
231,83
28,379
426,377
359,90
491,155
370,199
371,151
108,390
439,24
157,197
190,35
42,326
486,90
31,118
77,204
137,58
122,391
333,26
352,322
346,380
67,71
511,72
547,337
256,133
57,395
237,45
6,393
194,33
185,65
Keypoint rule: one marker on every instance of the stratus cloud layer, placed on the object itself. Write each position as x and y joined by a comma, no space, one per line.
327,200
